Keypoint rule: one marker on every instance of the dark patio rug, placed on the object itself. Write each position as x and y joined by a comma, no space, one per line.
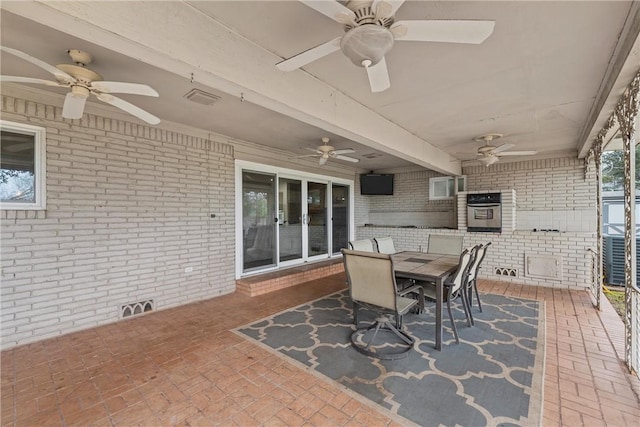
493,377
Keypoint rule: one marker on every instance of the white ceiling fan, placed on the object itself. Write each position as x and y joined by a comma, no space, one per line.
489,154
83,82
370,30
326,152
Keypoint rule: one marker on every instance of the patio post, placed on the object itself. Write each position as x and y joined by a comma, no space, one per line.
626,112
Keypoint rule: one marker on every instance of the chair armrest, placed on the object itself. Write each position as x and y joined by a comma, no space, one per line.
412,290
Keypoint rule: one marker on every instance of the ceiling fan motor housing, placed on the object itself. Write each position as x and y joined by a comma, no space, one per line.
81,73
368,42
364,14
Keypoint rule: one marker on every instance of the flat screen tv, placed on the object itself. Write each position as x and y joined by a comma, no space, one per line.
376,184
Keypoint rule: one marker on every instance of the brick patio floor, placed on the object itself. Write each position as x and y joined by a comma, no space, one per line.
183,366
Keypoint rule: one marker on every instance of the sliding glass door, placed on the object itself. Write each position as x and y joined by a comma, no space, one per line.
339,217
289,217
258,220
317,224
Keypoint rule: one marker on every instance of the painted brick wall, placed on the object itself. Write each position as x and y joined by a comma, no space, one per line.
507,252
551,193
409,204
128,209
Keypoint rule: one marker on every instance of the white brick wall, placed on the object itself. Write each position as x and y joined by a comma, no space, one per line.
409,204
507,251
555,191
551,193
128,208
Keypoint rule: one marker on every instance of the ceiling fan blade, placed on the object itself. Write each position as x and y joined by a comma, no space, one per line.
473,32
488,160
379,76
18,79
306,155
323,160
122,87
348,159
128,107
308,56
73,107
382,9
389,10
315,150
502,148
61,75
517,153
344,151
332,9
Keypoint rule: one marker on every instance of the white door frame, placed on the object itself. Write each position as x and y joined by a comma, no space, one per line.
304,177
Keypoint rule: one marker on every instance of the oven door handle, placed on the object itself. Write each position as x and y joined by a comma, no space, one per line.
478,205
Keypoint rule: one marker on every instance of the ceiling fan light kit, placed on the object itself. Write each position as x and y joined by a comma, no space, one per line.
83,82
367,42
370,31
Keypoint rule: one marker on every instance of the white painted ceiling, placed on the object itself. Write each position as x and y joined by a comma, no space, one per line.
535,79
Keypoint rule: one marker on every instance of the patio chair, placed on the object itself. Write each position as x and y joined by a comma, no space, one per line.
385,245
473,274
454,287
372,285
447,245
362,245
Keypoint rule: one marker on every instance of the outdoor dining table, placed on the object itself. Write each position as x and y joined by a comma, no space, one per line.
427,267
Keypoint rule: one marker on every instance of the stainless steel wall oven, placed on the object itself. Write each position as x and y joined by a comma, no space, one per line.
484,212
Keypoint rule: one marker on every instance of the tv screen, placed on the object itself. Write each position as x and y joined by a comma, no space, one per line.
376,184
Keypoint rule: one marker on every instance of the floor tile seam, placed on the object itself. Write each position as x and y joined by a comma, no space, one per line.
588,362
634,383
551,356
55,391
381,410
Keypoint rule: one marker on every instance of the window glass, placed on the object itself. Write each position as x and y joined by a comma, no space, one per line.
446,187
21,166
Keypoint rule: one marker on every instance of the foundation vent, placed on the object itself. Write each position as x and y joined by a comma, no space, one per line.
503,271
135,308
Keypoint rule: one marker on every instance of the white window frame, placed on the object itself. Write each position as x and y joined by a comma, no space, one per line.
40,166
457,182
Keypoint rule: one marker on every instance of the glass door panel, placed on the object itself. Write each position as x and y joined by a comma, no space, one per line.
339,217
317,219
259,220
290,219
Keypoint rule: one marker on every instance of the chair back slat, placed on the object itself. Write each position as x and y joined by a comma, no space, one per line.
385,245
473,269
460,275
447,245
362,245
371,278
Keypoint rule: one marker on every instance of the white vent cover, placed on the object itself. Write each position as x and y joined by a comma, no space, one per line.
543,266
201,97
135,308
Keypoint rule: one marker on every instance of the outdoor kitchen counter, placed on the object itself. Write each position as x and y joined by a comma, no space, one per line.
506,258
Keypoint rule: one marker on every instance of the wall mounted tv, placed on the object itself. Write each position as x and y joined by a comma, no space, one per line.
372,184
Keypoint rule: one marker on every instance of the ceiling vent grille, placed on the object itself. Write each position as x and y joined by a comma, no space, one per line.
201,97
